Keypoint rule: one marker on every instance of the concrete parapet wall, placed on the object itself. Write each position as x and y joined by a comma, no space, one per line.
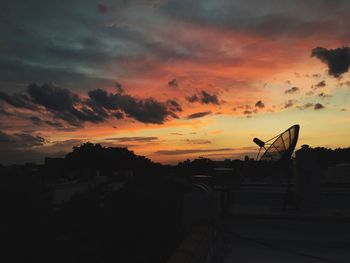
200,208
196,247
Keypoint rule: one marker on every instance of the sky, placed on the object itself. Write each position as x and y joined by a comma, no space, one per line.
171,80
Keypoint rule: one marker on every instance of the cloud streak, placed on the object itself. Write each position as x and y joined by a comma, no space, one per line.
197,141
133,139
198,115
191,151
292,90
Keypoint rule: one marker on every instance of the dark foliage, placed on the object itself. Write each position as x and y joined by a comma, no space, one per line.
111,158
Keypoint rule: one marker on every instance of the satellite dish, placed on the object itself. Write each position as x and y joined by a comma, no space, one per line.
279,147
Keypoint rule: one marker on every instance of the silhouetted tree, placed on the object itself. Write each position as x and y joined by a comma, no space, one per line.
106,159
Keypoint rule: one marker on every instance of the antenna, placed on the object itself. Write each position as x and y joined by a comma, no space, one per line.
279,147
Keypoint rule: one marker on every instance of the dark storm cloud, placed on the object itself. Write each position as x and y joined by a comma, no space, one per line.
173,83
18,100
292,90
100,97
20,140
204,97
52,97
65,105
318,106
198,114
146,110
337,60
188,151
259,104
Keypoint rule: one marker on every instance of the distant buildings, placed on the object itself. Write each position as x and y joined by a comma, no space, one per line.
339,173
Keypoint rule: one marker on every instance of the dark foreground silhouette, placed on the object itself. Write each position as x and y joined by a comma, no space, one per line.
107,204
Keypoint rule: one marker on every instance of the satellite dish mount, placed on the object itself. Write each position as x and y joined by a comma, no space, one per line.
279,149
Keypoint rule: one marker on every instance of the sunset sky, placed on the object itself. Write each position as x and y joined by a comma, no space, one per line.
171,80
